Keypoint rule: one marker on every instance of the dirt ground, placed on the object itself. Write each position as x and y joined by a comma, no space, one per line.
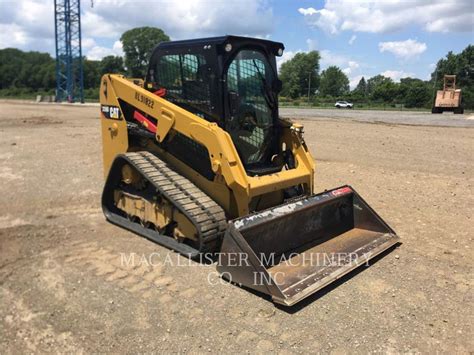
64,285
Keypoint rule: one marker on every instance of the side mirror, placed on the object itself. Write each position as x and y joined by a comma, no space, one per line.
277,85
234,102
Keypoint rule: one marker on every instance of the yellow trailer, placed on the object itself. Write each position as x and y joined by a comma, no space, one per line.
448,99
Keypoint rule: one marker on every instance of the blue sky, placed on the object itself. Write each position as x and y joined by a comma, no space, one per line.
295,30
364,38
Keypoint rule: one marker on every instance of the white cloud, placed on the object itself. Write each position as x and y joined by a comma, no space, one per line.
329,58
308,11
353,38
88,43
287,55
396,75
353,81
312,44
403,49
29,24
459,23
117,48
324,19
391,15
352,66
17,37
95,25
96,52
181,19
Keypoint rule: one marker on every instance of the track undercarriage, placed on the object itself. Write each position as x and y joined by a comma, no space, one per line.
144,195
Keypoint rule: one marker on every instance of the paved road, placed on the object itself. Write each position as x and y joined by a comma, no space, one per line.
392,117
373,116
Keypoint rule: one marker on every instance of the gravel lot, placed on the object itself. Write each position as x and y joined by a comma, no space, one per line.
447,119
65,288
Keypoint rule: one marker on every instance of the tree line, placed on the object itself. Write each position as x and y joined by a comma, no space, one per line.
30,73
26,74
302,81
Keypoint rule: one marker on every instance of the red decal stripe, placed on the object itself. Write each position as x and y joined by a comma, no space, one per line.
342,191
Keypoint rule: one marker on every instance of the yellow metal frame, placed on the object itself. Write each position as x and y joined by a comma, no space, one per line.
232,187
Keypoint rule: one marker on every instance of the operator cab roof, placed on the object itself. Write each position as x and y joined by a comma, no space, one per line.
220,42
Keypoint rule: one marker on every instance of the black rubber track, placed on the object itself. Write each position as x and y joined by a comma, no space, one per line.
203,212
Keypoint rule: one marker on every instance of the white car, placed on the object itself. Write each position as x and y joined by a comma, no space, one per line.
343,104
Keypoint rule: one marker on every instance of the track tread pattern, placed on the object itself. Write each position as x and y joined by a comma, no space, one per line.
205,214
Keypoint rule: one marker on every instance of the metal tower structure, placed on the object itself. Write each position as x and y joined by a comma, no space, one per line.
69,67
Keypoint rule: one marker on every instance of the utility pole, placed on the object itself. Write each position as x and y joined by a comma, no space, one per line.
309,85
69,67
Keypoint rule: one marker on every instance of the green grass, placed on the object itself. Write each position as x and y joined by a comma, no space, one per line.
30,97
33,99
90,95
356,107
302,105
361,107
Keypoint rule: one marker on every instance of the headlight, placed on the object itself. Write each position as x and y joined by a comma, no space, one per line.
280,52
228,47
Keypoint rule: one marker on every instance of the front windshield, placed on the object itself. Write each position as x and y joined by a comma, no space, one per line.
249,80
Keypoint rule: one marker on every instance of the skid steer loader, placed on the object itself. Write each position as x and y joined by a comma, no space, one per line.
197,159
